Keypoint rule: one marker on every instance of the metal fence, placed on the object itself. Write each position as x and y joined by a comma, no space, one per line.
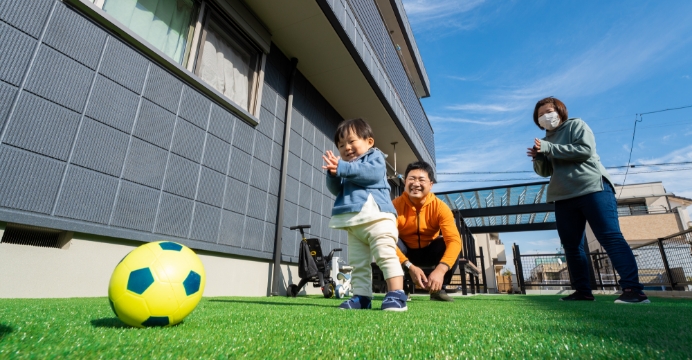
664,264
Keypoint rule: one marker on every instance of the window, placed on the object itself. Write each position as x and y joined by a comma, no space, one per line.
165,24
200,36
228,62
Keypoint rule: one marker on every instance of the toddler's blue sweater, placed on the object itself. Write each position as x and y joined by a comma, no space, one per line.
354,181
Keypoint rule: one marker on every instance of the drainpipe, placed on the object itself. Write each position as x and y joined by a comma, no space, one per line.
276,278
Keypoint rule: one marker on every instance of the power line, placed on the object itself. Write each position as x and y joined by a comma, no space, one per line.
641,118
538,178
529,171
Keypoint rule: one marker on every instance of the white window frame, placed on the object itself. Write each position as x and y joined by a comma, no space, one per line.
232,12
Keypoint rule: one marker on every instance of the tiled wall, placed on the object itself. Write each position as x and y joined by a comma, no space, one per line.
96,137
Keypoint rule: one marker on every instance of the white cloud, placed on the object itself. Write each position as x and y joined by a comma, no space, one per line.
426,14
485,108
441,119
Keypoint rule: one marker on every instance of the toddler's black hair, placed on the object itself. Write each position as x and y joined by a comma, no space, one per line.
358,126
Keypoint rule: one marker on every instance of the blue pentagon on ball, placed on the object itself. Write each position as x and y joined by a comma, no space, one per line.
140,280
191,283
169,245
156,321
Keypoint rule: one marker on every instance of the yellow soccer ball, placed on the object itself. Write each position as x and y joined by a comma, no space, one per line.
156,284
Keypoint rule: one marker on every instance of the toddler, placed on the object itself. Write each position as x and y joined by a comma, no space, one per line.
364,209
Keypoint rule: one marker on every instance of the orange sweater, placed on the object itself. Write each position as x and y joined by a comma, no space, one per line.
419,227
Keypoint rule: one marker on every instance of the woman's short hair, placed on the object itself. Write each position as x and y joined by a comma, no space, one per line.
358,126
559,107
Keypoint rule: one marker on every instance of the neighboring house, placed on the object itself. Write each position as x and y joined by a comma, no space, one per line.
647,212
129,121
494,258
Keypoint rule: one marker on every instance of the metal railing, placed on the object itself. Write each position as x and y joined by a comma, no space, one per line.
663,264
643,210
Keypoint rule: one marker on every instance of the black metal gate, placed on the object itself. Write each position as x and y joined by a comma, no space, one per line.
664,264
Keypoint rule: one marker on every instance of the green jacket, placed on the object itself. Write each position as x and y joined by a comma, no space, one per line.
568,156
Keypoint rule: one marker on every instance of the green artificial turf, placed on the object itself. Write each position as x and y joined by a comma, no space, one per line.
508,326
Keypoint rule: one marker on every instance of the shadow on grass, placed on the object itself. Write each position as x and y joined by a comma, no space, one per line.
113,323
4,330
271,303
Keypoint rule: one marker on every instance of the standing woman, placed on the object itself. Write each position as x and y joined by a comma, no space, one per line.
582,191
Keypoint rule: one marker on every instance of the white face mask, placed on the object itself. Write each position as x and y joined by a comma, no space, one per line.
549,121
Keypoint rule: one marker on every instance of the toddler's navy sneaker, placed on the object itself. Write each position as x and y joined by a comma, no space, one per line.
357,302
395,301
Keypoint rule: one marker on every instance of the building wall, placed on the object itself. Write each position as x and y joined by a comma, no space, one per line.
639,229
98,138
85,267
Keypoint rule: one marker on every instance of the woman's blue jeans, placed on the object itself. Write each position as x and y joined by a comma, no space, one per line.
600,210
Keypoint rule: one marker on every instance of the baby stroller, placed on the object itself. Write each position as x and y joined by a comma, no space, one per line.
312,266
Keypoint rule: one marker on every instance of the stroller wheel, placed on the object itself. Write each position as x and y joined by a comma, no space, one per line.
339,291
292,290
328,290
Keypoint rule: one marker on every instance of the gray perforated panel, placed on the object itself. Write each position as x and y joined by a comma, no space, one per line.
277,153
236,195
268,238
244,137
100,147
135,207
232,229
181,176
75,36
260,175
154,124
292,190
240,165
216,154
221,123
28,181
263,148
279,131
289,242
7,95
266,125
43,127
145,164
29,18
87,195
163,89
257,203
205,225
124,66
188,140
195,108
211,185
175,214
112,104
254,234
16,49
60,79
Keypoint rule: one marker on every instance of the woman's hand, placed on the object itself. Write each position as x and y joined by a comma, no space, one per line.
331,161
532,152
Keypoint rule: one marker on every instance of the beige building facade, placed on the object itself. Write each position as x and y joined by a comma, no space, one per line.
647,212
494,258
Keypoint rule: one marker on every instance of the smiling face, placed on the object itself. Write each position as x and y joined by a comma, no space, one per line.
351,146
417,185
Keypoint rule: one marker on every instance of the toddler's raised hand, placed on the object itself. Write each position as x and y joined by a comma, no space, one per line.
332,162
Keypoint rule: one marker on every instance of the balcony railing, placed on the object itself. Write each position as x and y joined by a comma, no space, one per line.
643,210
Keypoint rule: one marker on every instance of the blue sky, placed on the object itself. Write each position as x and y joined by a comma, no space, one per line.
490,61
